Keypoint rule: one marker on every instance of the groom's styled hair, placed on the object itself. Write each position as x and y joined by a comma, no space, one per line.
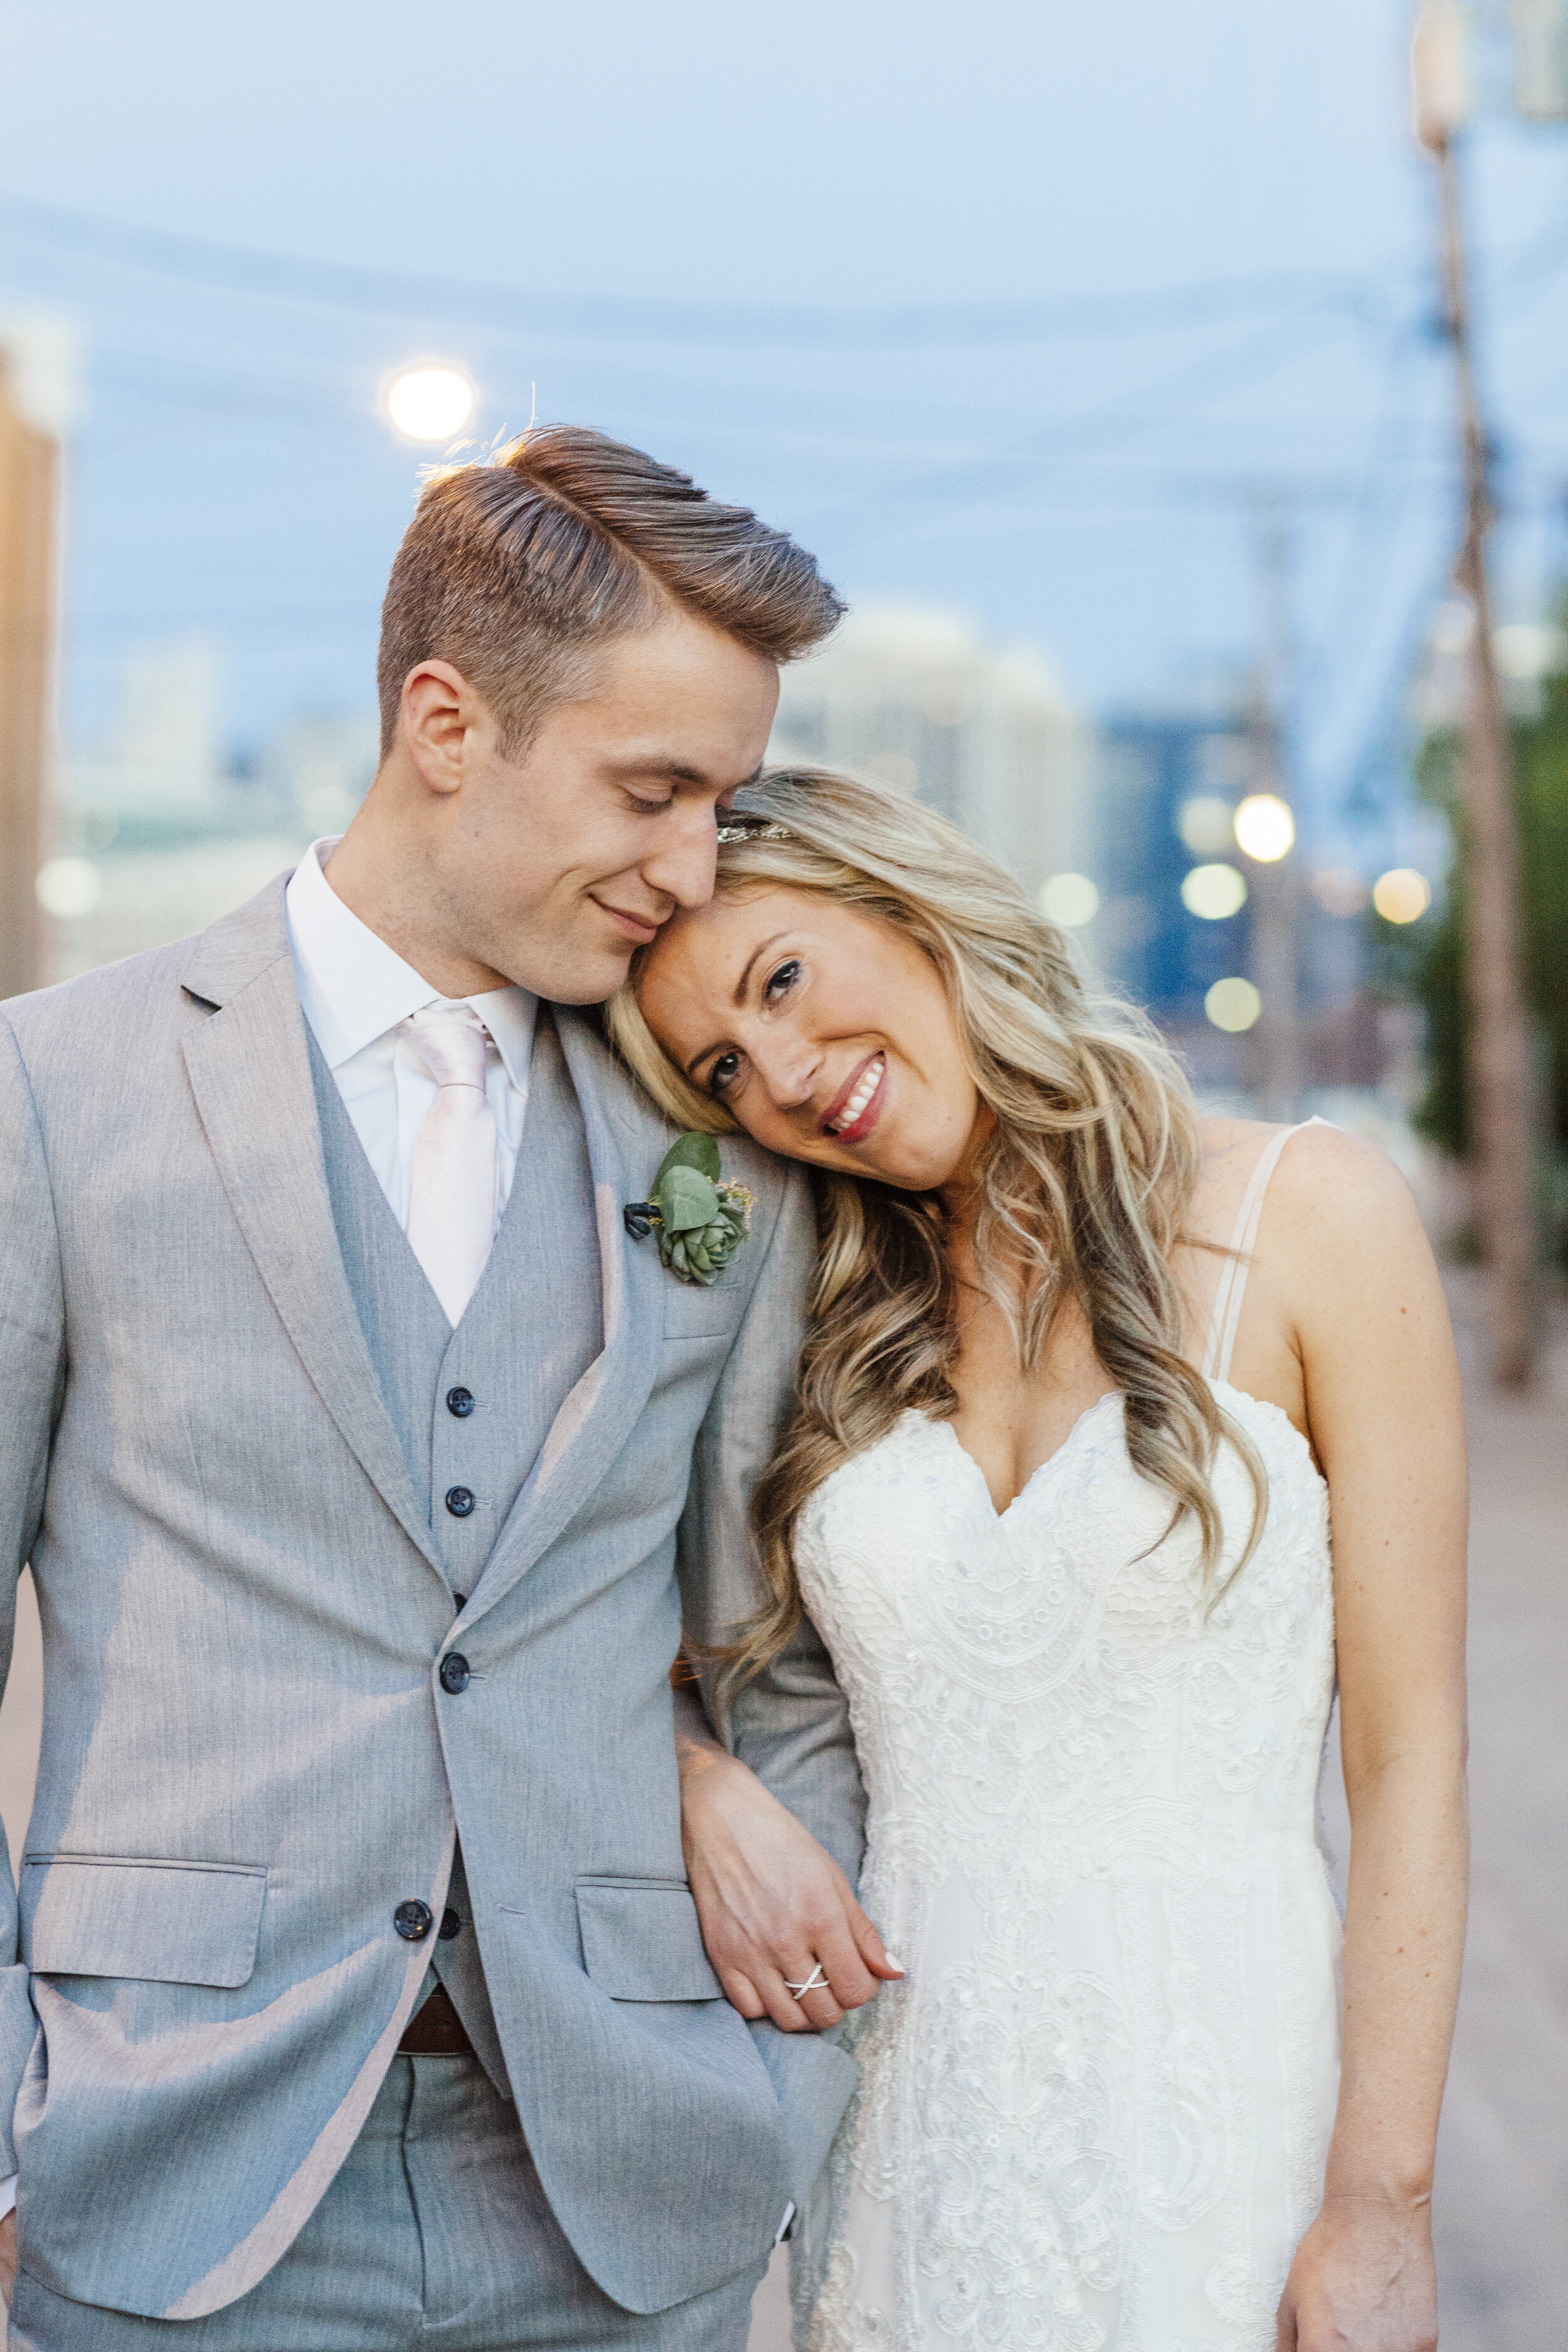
516,569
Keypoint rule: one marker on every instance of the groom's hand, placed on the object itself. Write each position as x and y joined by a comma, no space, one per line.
775,1907
8,2255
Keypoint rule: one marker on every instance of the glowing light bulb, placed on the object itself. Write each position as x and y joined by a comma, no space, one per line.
1401,896
430,401
68,887
1070,899
1233,1005
1213,892
1204,825
1265,827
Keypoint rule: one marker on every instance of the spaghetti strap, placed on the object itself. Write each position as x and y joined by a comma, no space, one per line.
1225,1314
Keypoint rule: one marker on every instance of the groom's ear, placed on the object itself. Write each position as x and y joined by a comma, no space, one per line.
442,722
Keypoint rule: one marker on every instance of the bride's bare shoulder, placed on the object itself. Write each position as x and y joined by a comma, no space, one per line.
1325,1181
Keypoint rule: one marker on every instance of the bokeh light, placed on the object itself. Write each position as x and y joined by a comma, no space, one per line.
1401,895
1265,827
1214,891
1205,823
1070,899
1233,1005
430,401
68,887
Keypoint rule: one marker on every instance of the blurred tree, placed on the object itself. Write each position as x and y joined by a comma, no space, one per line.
1427,959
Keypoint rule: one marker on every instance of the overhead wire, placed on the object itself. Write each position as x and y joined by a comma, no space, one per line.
250,271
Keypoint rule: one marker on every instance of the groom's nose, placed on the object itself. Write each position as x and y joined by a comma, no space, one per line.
680,866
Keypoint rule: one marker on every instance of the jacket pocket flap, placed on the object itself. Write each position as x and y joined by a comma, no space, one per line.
641,1940
692,1311
88,1914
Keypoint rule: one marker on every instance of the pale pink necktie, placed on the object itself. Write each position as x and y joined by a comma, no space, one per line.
452,1198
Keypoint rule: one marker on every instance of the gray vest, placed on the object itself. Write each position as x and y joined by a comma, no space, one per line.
473,1406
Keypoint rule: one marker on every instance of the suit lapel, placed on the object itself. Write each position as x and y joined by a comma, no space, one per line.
598,1415
250,1076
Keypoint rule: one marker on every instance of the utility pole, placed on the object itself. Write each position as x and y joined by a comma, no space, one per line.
1501,1078
1273,880
28,488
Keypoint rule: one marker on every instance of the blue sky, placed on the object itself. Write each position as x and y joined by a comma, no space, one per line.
1015,309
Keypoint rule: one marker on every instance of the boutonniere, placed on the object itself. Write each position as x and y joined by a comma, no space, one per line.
700,1219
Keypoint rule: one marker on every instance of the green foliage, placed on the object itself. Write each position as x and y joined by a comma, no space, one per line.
700,1219
694,1150
1430,964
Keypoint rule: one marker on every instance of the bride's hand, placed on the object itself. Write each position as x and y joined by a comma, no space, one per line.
774,1906
1362,2281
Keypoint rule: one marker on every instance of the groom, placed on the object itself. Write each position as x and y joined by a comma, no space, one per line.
357,1998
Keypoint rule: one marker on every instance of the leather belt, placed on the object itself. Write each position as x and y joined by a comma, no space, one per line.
436,2030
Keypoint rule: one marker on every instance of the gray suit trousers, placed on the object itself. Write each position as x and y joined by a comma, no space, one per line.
436,2233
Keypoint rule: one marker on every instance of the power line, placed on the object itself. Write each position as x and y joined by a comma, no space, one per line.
249,271
253,271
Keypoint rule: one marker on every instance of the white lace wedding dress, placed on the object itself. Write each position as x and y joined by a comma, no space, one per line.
1096,2112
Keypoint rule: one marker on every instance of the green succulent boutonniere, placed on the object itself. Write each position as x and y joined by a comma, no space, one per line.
700,1220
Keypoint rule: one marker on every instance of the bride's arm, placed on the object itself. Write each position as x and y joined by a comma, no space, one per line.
772,1902
1382,1402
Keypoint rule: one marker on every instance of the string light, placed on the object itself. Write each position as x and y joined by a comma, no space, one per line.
430,401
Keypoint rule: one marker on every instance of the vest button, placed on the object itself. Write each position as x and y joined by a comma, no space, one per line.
455,1677
460,1401
459,1501
450,1926
413,1921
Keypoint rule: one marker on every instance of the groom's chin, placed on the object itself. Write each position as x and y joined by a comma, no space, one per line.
589,979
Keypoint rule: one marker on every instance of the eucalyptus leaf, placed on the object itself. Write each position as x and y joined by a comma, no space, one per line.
694,1150
688,1200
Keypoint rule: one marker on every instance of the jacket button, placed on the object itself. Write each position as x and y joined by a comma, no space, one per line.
460,1401
450,1926
459,1501
454,1672
413,1921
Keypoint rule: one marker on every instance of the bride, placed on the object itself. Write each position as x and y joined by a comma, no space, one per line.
1087,1381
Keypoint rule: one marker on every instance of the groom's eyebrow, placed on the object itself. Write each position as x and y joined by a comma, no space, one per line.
738,999
681,771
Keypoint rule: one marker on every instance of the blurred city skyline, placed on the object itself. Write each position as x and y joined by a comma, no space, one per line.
1027,337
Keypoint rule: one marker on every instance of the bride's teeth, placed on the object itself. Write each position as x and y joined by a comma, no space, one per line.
860,1098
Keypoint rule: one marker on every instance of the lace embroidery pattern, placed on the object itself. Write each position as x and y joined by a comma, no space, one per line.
1094,2117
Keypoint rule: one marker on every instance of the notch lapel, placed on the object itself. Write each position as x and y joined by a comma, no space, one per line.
597,1415
250,1076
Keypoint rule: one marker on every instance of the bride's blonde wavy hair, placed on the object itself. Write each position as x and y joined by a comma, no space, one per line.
1083,1182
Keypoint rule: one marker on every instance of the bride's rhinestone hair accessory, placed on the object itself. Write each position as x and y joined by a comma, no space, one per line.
754,828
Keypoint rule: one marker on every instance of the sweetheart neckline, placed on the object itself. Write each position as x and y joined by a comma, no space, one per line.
1111,1396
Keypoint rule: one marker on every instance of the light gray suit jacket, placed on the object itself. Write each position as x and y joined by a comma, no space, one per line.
249,1759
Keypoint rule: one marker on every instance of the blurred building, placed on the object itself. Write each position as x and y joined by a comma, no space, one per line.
917,699
157,833
39,396
1179,907
1166,789
162,759
319,768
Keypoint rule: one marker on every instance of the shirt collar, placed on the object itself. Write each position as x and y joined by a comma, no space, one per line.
353,988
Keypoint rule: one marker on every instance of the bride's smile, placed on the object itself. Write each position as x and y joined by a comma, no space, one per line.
1085,1374
826,1032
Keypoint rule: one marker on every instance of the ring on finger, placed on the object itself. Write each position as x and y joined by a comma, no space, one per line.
816,1982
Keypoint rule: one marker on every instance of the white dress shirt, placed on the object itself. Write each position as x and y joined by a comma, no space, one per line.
355,991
